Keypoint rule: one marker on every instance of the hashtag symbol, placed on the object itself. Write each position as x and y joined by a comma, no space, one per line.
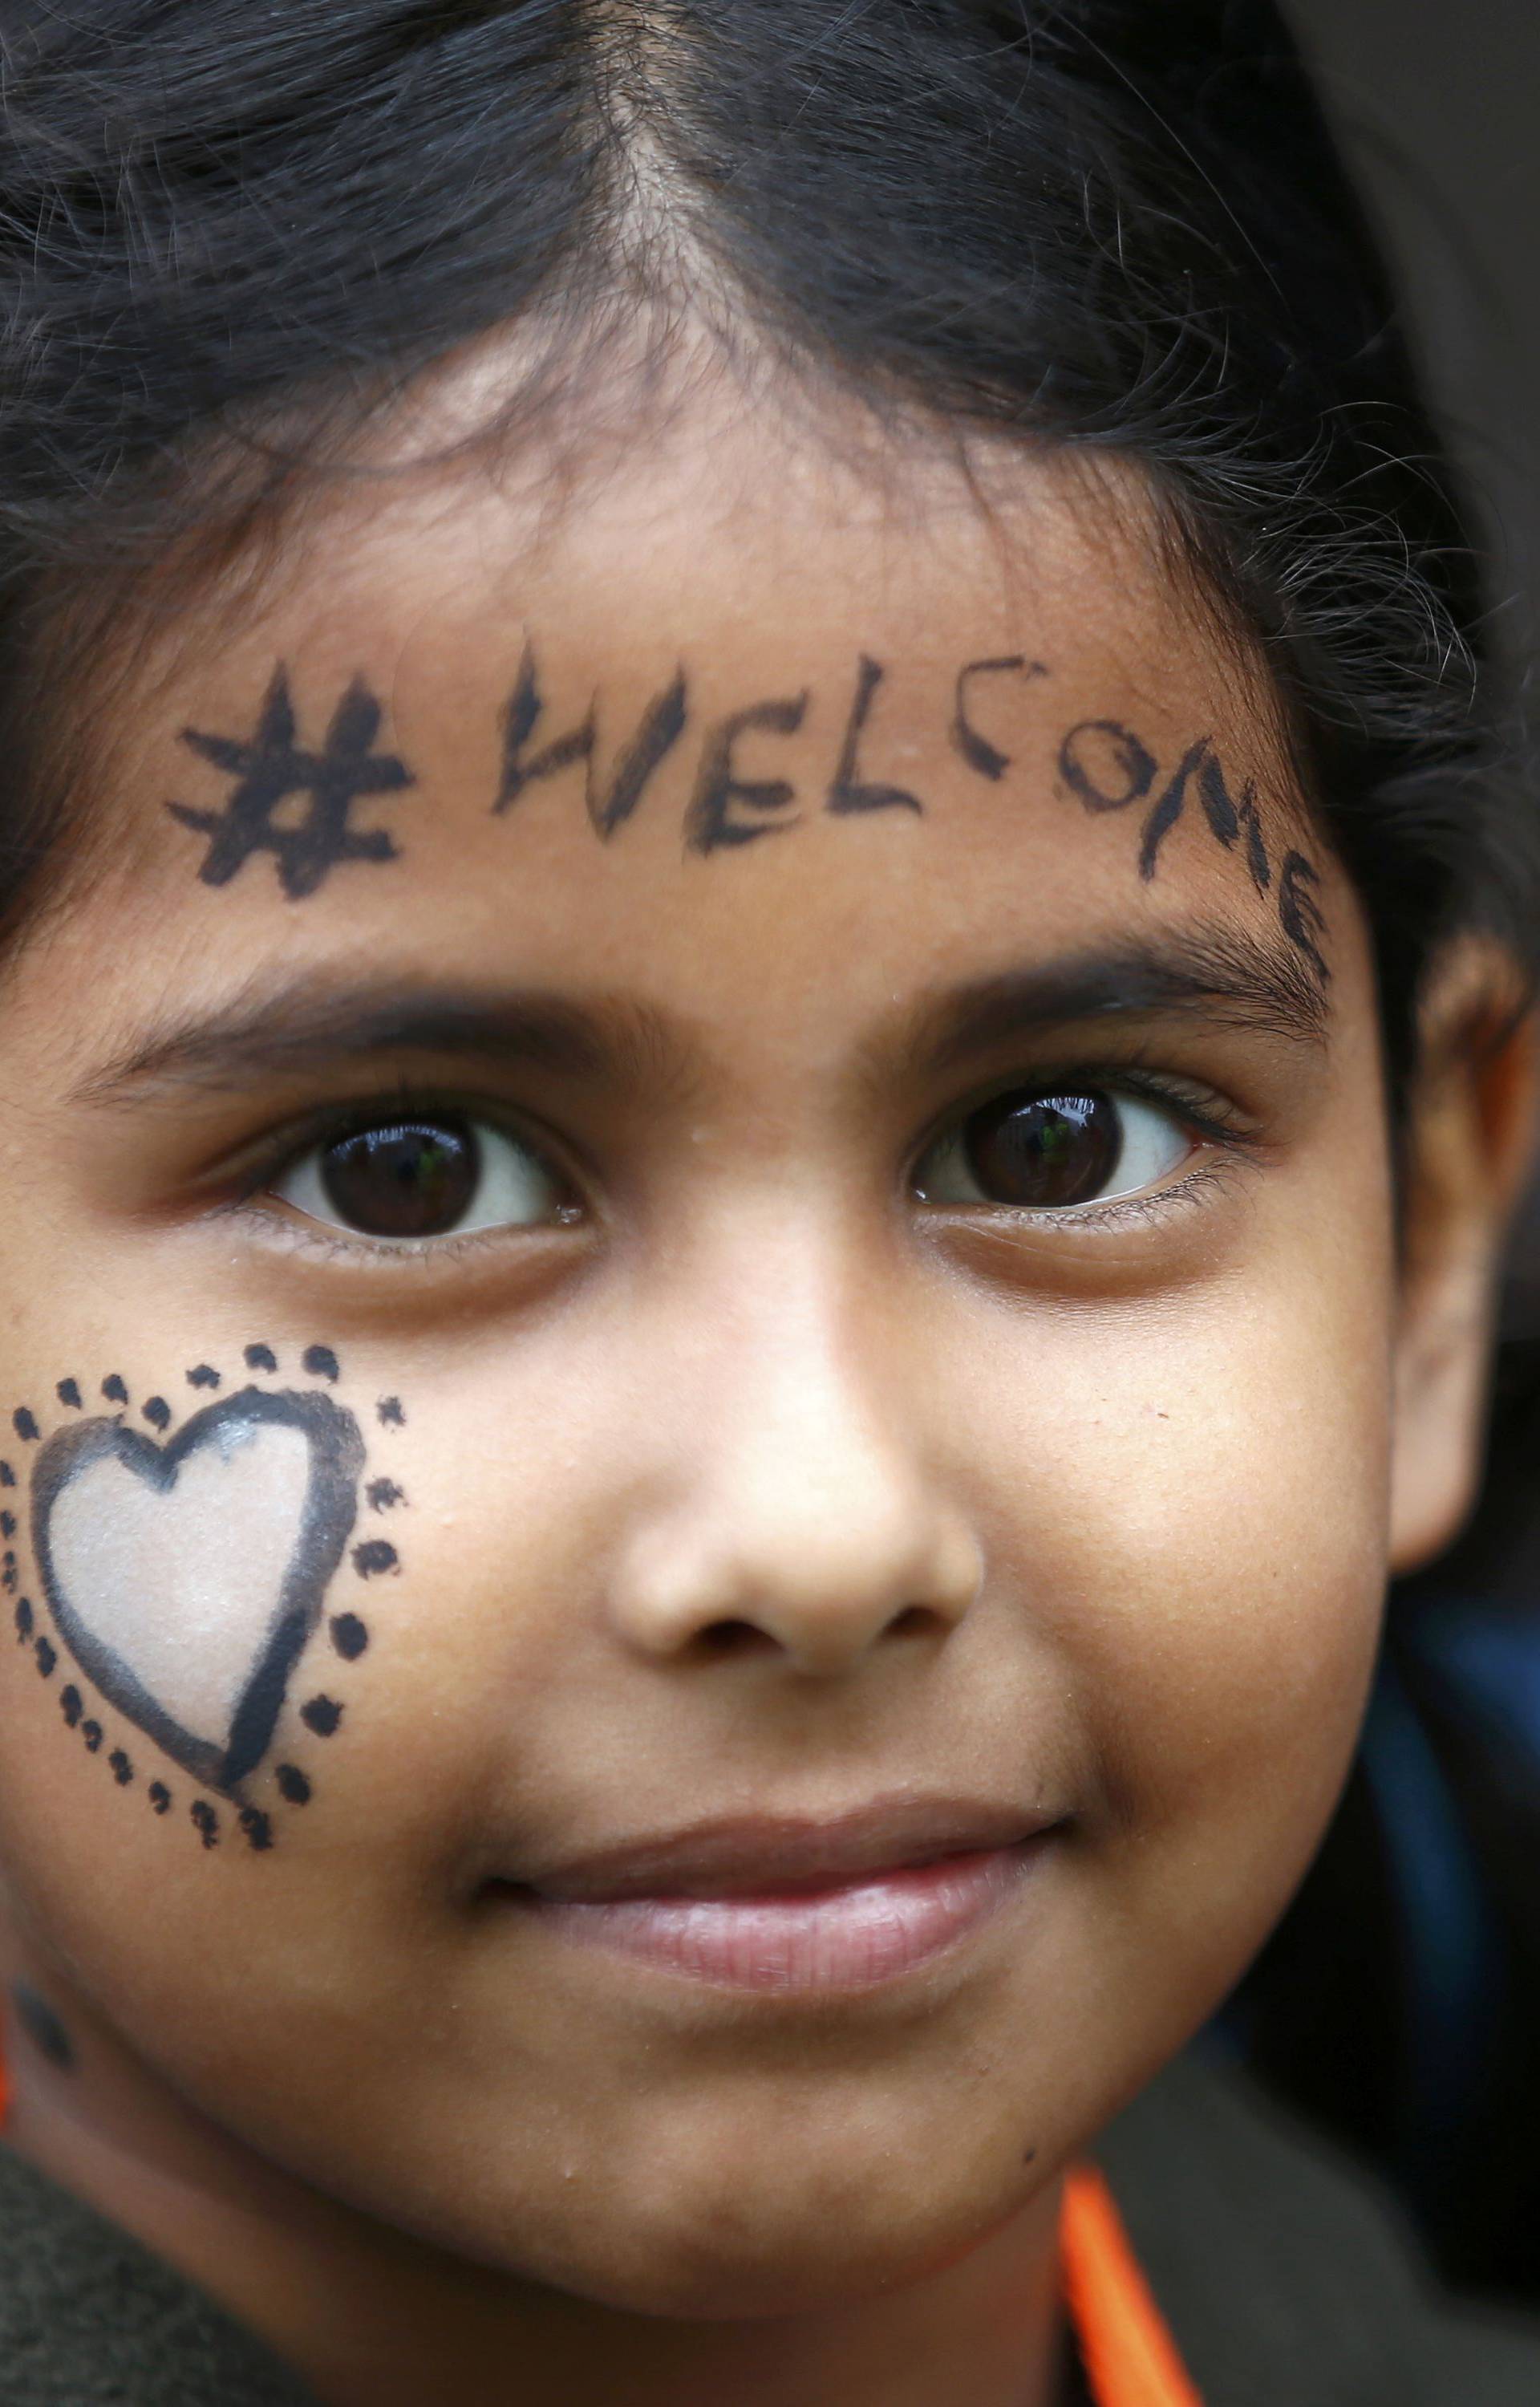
271,767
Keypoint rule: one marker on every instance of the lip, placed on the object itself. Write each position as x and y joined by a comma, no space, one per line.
792,1904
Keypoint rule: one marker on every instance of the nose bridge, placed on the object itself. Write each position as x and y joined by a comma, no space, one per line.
804,1436
805,1505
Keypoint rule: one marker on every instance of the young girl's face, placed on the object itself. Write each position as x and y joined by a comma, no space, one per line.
701,1336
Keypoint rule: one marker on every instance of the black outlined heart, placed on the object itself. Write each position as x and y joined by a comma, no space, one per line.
186,1578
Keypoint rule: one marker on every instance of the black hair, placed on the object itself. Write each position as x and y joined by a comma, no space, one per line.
230,234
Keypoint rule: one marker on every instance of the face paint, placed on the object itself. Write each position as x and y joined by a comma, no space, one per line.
1107,767
43,2027
271,767
187,1579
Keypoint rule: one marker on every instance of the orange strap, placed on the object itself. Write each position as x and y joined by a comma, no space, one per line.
1130,2358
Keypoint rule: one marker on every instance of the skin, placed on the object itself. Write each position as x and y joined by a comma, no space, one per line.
1088,1516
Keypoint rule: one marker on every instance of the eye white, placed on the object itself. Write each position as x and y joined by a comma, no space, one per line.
1151,1143
512,1190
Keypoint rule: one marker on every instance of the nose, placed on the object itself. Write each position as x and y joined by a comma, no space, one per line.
800,1514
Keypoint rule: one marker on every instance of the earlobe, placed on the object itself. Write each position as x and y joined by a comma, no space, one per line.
1469,1143
1441,1372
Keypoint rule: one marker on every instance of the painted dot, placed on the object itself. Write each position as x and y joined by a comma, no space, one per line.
43,2027
260,1357
321,1362
122,1770
390,1411
383,1493
257,1827
293,1787
23,1617
322,1714
47,1658
8,1476
159,1797
350,1635
7,1525
68,1393
114,1389
69,1704
23,1423
373,1556
92,1734
206,1822
157,1411
202,1374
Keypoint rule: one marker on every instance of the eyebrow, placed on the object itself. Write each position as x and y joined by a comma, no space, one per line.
1214,975
1218,977
311,1022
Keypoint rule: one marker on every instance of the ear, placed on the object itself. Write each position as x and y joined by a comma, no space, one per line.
1468,1145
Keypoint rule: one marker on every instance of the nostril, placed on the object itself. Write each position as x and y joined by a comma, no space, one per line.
915,1622
722,1639
733,1636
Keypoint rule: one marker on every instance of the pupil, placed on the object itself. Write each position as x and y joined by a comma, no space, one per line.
1044,1151
413,1179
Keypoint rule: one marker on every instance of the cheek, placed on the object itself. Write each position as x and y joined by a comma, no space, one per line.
188,1559
170,1599
1203,1539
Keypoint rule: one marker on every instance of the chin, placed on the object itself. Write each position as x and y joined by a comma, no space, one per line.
786,2240
743,2276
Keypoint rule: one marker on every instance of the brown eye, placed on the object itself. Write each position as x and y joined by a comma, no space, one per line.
412,1181
406,1179
1048,1153
1043,1150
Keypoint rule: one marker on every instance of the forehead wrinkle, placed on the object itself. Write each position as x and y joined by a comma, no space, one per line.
310,1022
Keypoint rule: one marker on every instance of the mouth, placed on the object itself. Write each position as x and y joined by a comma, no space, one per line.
793,1906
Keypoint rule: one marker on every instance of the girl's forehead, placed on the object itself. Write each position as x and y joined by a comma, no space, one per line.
704,734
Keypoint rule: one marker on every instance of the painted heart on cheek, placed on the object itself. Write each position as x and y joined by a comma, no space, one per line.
186,1578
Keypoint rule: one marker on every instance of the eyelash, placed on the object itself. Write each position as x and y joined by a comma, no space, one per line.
1211,1117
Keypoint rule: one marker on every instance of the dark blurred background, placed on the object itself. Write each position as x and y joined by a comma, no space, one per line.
1437,102
1440,111
1399,2003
